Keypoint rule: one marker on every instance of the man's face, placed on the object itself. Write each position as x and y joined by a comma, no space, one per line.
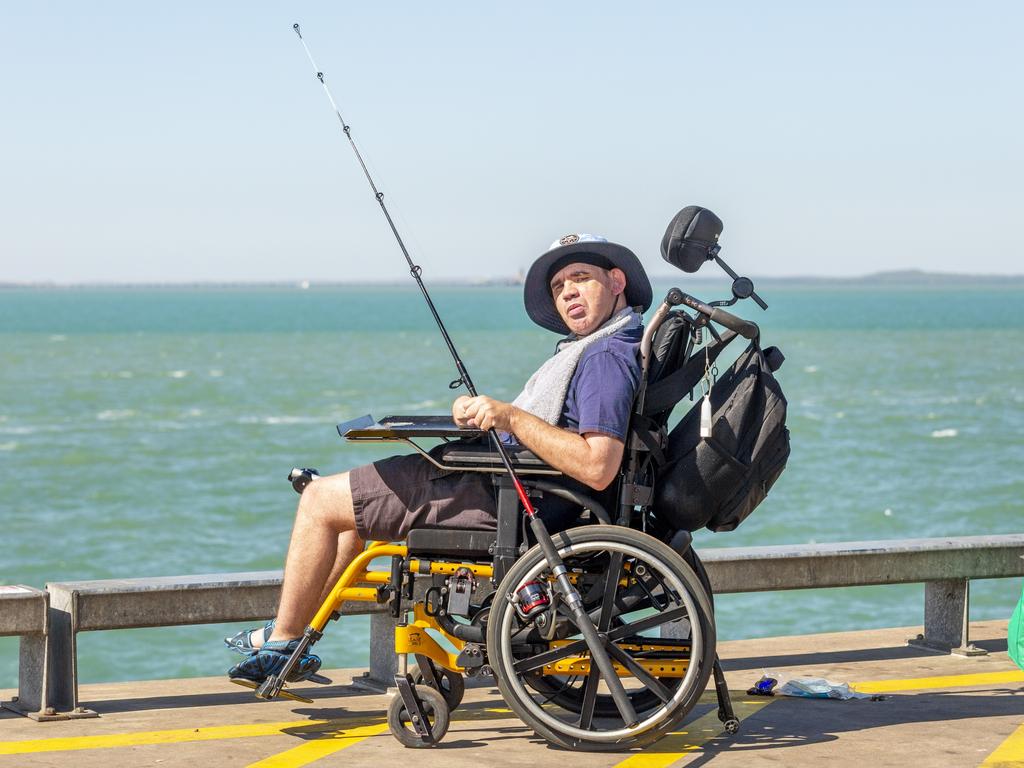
586,296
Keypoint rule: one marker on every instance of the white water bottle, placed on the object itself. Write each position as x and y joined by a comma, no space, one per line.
705,415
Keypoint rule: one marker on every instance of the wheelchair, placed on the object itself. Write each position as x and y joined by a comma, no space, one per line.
473,602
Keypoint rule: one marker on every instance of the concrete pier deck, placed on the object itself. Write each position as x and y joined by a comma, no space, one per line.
937,710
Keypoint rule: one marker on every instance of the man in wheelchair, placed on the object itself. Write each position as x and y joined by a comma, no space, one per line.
573,414
601,637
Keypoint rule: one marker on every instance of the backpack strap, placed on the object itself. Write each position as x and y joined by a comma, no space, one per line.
648,435
666,392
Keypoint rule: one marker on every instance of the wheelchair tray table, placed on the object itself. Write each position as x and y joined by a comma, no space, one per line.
465,449
403,427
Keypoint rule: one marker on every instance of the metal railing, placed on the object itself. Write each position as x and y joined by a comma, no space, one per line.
48,622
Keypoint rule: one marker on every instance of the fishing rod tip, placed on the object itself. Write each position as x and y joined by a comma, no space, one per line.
296,28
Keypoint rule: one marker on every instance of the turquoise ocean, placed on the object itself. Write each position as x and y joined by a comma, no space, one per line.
149,432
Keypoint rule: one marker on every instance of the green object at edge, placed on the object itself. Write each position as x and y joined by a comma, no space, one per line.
1015,634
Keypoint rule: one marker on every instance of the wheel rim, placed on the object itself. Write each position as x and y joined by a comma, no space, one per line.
510,624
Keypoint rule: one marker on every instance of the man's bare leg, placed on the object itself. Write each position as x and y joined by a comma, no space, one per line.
349,545
323,543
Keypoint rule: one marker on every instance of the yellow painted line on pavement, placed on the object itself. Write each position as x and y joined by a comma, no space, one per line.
177,736
322,746
679,744
331,735
1009,754
945,681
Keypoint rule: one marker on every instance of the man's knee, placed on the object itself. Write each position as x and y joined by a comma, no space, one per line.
328,500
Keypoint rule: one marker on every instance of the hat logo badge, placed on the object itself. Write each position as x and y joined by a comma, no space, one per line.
569,240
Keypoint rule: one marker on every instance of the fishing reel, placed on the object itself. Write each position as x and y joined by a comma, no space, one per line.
535,603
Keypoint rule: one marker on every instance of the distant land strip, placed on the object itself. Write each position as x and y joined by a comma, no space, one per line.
908,278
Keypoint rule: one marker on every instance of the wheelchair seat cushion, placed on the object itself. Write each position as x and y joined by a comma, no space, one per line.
451,543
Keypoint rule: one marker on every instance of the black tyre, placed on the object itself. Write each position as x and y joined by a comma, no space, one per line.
434,707
449,684
635,589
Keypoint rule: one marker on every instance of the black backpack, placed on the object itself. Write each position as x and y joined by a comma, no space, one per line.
718,481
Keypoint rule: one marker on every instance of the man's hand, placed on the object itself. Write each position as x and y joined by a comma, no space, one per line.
592,458
459,411
483,413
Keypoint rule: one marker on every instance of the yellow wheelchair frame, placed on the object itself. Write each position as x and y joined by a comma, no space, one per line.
677,671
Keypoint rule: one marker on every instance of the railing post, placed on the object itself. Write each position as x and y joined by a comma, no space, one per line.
62,654
383,659
47,668
32,667
946,612
31,700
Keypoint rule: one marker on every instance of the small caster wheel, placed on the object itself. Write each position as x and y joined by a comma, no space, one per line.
401,724
452,685
732,726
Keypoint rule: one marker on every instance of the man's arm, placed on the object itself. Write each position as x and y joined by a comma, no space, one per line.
592,458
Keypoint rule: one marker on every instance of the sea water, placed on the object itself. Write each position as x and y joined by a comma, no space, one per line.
149,432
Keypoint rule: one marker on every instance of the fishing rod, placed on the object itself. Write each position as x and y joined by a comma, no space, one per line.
572,597
415,270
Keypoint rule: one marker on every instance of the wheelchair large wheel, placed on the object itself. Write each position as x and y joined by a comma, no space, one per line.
636,589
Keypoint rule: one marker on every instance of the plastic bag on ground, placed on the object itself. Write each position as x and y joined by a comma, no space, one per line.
818,688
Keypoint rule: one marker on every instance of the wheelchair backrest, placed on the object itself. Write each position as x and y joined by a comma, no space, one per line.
691,477
672,371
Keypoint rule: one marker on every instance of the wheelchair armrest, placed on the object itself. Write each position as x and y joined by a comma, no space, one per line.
481,456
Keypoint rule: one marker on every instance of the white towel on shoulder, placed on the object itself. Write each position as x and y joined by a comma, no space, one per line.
545,391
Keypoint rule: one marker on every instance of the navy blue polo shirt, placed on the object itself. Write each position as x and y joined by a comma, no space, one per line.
601,392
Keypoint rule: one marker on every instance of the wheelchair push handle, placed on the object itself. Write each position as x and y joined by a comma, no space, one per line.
744,328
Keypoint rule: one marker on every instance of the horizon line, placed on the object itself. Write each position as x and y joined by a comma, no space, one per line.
913,275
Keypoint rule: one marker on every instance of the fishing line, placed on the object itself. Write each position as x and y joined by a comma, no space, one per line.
415,270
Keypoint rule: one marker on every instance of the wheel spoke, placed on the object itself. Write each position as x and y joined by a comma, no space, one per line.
611,587
589,697
639,672
608,603
649,622
642,582
548,657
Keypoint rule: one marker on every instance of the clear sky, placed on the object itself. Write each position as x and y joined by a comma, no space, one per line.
190,141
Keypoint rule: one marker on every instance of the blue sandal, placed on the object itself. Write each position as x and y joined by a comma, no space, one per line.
242,642
270,660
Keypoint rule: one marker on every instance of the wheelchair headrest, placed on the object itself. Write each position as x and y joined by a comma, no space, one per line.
691,238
